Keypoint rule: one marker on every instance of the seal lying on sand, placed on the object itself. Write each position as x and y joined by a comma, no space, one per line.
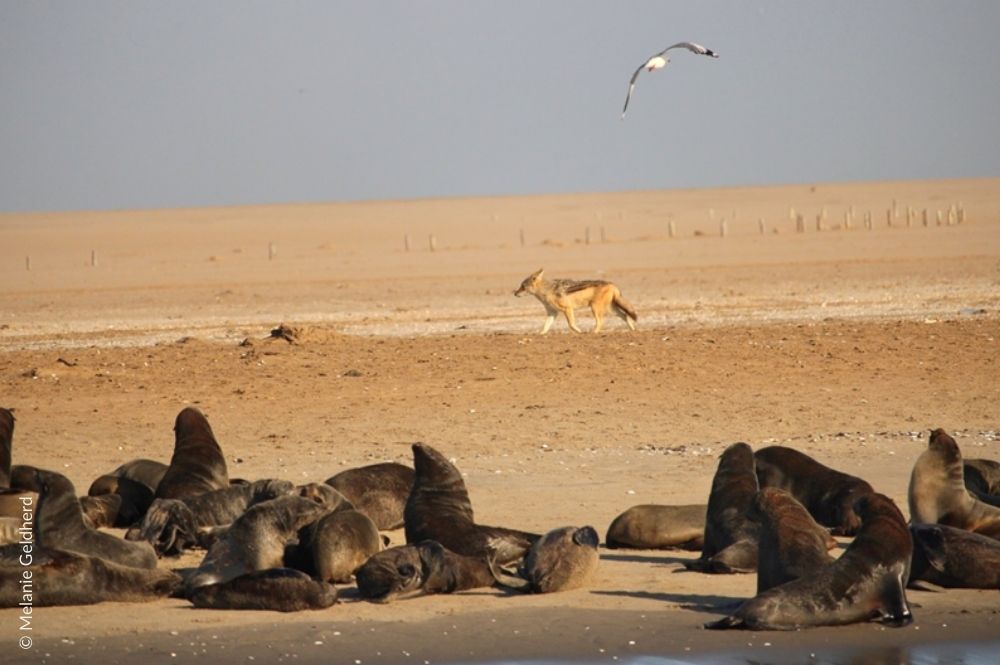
424,568
67,578
340,542
937,493
656,527
827,494
731,538
255,541
378,490
173,525
866,583
563,559
278,589
439,509
135,482
197,465
59,524
100,511
13,496
792,544
954,558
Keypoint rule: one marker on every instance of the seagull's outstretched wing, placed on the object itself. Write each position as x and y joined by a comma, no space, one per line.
694,48
691,46
631,87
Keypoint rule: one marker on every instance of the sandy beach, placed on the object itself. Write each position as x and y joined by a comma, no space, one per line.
846,342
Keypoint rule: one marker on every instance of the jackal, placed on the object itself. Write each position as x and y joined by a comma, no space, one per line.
565,295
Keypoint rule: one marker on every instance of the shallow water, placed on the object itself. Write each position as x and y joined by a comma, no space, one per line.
959,653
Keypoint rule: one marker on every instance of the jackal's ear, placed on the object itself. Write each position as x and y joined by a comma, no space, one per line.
537,274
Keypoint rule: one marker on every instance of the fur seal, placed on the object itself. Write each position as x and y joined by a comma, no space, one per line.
792,544
6,445
67,578
378,490
438,508
954,558
827,494
59,524
656,527
100,511
937,493
866,583
197,465
255,541
135,497
277,589
141,470
174,525
563,559
982,475
323,494
424,568
340,542
731,538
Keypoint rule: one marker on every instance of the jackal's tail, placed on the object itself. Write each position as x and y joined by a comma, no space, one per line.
624,309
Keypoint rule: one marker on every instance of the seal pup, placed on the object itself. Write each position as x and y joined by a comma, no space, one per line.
563,559
67,578
867,582
174,525
438,508
954,558
937,493
378,490
827,494
100,511
340,542
424,568
197,465
59,524
255,541
792,544
276,589
731,538
657,527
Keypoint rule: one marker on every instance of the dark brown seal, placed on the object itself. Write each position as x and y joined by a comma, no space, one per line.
67,578
276,589
12,495
954,558
867,582
6,445
378,490
439,509
174,525
792,544
197,465
827,494
256,540
730,536
135,497
59,524
563,559
100,511
423,568
658,527
937,493
340,542
982,475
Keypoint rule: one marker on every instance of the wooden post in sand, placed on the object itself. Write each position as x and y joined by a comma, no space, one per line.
939,218
888,217
522,236
868,219
961,214
432,243
670,228
800,224
760,225
604,236
93,258
406,242
27,263
925,217
270,251
819,222
722,227
586,236
847,221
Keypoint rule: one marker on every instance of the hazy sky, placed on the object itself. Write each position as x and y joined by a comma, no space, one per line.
135,104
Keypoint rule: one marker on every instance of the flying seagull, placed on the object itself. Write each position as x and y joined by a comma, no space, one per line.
660,60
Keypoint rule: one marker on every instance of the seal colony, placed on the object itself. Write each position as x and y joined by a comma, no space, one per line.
270,545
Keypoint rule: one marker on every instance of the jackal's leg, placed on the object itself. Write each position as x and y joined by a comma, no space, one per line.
598,318
571,320
548,323
624,317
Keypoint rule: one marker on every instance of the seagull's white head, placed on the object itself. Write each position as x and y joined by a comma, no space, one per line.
657,62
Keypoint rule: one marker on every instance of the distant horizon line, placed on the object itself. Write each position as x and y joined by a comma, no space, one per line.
465,197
